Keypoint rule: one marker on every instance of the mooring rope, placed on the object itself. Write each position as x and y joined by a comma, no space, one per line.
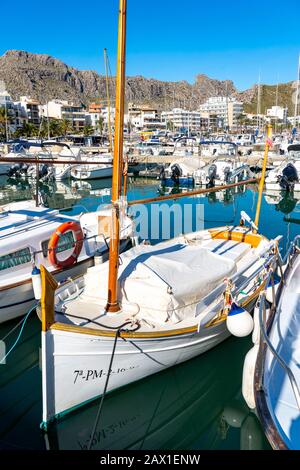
107,380
19,335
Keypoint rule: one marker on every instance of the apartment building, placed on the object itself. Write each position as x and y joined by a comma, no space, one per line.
277,112
30,108
184,119
227,109
144,117
58,109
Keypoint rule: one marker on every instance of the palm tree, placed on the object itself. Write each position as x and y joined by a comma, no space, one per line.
170,126
65,126
27,130
54,127
100,124
88,130
5,120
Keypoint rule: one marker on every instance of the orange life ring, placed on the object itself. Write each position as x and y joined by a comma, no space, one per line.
53,243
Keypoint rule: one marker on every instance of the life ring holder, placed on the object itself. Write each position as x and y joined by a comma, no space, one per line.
70,226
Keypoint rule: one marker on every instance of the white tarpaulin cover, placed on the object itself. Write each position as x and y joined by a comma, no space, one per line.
164,281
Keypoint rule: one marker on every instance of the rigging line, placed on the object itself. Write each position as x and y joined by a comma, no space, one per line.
88,320
12,330
105,388
19,335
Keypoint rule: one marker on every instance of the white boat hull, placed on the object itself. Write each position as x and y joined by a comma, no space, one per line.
81,363
96,173
276,187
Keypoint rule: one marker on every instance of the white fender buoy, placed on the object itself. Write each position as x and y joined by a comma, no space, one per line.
251,437
36,283
248,376
269,290
239,322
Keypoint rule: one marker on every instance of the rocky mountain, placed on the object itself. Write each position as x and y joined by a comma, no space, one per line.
44,77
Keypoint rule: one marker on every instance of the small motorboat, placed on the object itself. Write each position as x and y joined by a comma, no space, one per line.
221,171
181,172
271,376
89,172
286,176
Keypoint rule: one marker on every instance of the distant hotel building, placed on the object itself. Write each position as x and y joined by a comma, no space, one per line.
225,109
277,112
57,109
143,117
182,118
16,114
30,108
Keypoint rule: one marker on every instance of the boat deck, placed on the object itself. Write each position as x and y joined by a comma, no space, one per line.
79,299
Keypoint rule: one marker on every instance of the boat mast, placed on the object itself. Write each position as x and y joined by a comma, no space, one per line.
276,104
258,110
297,93
108,99
263,174
112,296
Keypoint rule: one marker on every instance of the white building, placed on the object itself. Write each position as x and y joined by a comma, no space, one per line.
227,109
64,110
143,117
182,118
295,121
277,112
29,107
104,114
16,115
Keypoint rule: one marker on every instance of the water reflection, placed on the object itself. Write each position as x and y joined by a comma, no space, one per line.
284,201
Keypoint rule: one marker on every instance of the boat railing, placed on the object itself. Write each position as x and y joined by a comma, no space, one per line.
235,279
263,318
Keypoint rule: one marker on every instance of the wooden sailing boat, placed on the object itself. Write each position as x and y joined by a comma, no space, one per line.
150,308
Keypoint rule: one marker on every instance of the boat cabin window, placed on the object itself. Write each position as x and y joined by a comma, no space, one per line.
15,259
66,242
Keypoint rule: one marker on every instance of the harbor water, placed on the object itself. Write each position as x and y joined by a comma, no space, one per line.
196,405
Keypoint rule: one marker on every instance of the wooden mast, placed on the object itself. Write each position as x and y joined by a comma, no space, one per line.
112,297
263,174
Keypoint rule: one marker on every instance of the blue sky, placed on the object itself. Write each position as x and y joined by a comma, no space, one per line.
168,40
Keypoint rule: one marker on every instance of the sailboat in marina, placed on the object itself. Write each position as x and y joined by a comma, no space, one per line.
152,307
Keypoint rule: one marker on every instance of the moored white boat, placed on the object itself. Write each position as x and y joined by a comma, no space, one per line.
25,231
286,175
173,294
272,365
85,172
181,172
222,170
